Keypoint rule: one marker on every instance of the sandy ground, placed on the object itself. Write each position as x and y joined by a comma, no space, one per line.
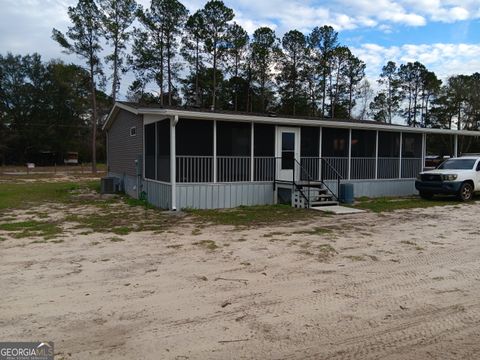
404,285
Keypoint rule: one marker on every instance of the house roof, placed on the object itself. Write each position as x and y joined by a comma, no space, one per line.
155,112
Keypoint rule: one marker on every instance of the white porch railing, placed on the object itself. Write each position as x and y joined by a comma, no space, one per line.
233,168
411,167
193,169
388,168
338,163
200,169
264,168
362,168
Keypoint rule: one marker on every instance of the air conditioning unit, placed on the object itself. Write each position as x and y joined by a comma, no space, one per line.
110,185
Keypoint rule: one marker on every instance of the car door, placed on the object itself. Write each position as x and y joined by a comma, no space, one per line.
477,176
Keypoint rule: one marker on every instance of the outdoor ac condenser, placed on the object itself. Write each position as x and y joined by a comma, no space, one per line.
110,185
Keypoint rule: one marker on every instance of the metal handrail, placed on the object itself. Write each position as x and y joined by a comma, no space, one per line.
310,178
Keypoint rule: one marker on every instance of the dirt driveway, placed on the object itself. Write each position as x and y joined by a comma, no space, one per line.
401,285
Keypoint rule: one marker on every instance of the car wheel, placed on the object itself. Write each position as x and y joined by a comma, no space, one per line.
466,192
426,195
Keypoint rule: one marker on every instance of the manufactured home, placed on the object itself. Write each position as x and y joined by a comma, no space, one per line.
190,158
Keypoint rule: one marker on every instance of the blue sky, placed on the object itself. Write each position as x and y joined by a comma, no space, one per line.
442,34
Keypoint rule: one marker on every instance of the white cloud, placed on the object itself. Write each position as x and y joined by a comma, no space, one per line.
444,59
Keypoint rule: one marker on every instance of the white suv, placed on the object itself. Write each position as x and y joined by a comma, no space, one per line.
456,176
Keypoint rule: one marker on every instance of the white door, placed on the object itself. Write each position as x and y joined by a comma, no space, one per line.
288,150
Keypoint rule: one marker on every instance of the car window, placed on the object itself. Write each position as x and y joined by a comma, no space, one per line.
458,164
478,166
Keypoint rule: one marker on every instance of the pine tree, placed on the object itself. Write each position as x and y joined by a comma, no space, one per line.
83,39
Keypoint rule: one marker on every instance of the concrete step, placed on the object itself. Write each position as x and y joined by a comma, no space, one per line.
323,203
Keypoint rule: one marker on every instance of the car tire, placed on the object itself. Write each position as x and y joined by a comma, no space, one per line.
466,192
426,195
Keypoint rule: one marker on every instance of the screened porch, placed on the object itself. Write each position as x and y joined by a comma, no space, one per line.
212,151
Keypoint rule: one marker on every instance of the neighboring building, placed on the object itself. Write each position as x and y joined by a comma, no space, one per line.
188,158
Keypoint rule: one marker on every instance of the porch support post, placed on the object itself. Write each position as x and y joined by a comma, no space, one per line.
214,151
349,153
376,155
173,162
455,145
156,150
424,150
400,158
320,155
251,153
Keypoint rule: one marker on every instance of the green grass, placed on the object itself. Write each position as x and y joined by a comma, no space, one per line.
207,244
19,196
253,215
386,204
315,231
32,228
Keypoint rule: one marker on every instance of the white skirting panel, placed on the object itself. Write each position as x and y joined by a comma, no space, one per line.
379,188
223,195
158,194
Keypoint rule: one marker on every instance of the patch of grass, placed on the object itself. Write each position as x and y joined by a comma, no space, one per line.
31,228
315,231
122,230
57,241
408,242
2,239
208,244
137,202
116,239
196,232
276,233
386,204
326,251
355,257
253,215
21,195
174,246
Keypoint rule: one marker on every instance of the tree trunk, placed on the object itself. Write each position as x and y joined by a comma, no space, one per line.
115,72
169,71
94,119
197,62
214,90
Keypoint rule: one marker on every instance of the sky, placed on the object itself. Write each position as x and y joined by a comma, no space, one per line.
444,35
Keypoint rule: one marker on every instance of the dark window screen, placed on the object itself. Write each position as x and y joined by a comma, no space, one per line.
388,144
363,143
412,146
150,151
334,142
194,137
309,145
233,139
163,147
264,140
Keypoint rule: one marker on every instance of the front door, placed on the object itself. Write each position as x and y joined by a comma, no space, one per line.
288,150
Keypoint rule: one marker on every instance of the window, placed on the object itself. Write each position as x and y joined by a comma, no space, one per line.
334,142
133,131
288,150
412,146
150,152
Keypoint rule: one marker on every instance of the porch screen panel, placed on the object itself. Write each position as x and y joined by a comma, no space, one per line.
264,152
335,152
309,152
233,151
363,154
388,154
163,150
150,151
194,146
411,155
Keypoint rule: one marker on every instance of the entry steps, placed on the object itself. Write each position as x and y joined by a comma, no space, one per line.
316,193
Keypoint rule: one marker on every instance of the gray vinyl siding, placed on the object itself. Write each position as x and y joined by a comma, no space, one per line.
124,149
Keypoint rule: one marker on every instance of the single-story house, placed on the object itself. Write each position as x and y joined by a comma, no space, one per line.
190,158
